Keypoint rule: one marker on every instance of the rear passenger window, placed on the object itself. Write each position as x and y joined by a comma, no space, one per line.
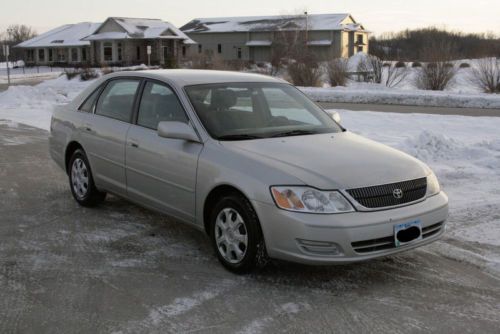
159,103
117,99
89,102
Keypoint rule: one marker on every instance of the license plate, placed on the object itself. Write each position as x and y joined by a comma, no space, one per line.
407,232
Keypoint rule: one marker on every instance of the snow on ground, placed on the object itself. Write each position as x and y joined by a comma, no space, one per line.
33,105
463,151
378,94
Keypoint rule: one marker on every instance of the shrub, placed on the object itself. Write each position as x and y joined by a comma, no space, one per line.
416,64
336,70
435,76
486,75
464,65
395,75
387,65
449,65
305,74
88,74
71,73
400,64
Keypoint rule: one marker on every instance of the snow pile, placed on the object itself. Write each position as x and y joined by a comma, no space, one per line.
33,105
382,95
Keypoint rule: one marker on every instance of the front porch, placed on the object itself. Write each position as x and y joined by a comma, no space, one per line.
164,52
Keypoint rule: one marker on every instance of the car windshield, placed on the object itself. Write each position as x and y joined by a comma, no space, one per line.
242,111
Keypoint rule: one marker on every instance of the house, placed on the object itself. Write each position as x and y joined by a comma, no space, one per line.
62,45
116,41
251,38
124,41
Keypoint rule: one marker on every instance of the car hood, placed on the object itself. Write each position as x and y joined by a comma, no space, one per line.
333,161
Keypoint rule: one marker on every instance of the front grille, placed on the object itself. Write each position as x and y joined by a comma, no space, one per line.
374,245
383,196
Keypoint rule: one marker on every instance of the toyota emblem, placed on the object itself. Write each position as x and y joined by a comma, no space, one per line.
397,193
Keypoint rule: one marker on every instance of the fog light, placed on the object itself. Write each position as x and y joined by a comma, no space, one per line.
323,248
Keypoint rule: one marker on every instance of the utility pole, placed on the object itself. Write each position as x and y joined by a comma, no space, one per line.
307,28
6,53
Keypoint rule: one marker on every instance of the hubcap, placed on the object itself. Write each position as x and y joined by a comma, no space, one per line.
231,235
80,178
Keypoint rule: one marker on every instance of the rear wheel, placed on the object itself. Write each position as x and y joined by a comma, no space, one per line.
236,234
81,181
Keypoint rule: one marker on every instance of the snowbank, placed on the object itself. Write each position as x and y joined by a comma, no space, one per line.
383,95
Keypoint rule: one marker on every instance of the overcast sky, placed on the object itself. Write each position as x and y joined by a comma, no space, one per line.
378,16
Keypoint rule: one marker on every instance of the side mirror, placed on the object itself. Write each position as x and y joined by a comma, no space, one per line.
177,130
334,115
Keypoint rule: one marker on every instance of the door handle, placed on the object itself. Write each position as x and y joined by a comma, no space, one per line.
134,143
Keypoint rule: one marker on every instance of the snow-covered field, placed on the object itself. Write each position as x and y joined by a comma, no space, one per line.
463,151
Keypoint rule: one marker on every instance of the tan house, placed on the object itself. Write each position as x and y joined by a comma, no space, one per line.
251,38
116,41
126,41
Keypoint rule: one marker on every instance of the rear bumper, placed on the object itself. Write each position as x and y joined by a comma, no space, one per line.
286,232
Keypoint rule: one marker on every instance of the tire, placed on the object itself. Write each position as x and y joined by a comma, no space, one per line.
81,181
236,234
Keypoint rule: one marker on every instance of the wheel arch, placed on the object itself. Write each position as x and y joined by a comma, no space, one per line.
213,196
70,149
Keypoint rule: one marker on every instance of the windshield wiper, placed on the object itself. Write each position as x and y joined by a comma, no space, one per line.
238,137
294,133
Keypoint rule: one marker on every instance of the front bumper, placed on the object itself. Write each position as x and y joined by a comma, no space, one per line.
283,230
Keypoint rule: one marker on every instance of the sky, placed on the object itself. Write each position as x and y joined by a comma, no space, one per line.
378,16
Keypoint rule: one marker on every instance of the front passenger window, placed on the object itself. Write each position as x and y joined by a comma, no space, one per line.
117,99
159,103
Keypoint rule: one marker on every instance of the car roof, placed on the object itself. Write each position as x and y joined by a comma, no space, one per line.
184,77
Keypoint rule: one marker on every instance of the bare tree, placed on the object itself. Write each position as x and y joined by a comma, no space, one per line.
437,74
372,67
17,33
305,74
395,75
336,70
486,75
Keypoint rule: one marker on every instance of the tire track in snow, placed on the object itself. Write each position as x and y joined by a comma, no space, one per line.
160,318
259,325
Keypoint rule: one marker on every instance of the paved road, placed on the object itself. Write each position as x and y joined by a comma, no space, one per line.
120,268
413,109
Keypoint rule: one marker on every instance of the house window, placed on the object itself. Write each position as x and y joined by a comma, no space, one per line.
359,39
74,54
30,55
108,51
138,53
239,53
199,48
51,56
219,48
84,54
61,55
119,51
41,54
184,51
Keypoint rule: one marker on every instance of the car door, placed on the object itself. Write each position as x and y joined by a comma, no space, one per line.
104,133
161,172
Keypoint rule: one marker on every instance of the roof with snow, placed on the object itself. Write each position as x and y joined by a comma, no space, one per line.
66,35
272,23
139,28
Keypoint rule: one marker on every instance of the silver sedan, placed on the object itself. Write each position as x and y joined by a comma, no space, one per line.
251,161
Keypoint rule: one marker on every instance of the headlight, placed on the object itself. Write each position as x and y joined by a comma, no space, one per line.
310,200
432,185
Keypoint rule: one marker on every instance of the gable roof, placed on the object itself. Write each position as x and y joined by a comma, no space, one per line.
66,35
139,28
271,23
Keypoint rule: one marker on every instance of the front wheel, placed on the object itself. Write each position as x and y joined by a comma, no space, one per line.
236,234
81,181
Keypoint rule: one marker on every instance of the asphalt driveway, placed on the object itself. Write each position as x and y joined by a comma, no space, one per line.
122,269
